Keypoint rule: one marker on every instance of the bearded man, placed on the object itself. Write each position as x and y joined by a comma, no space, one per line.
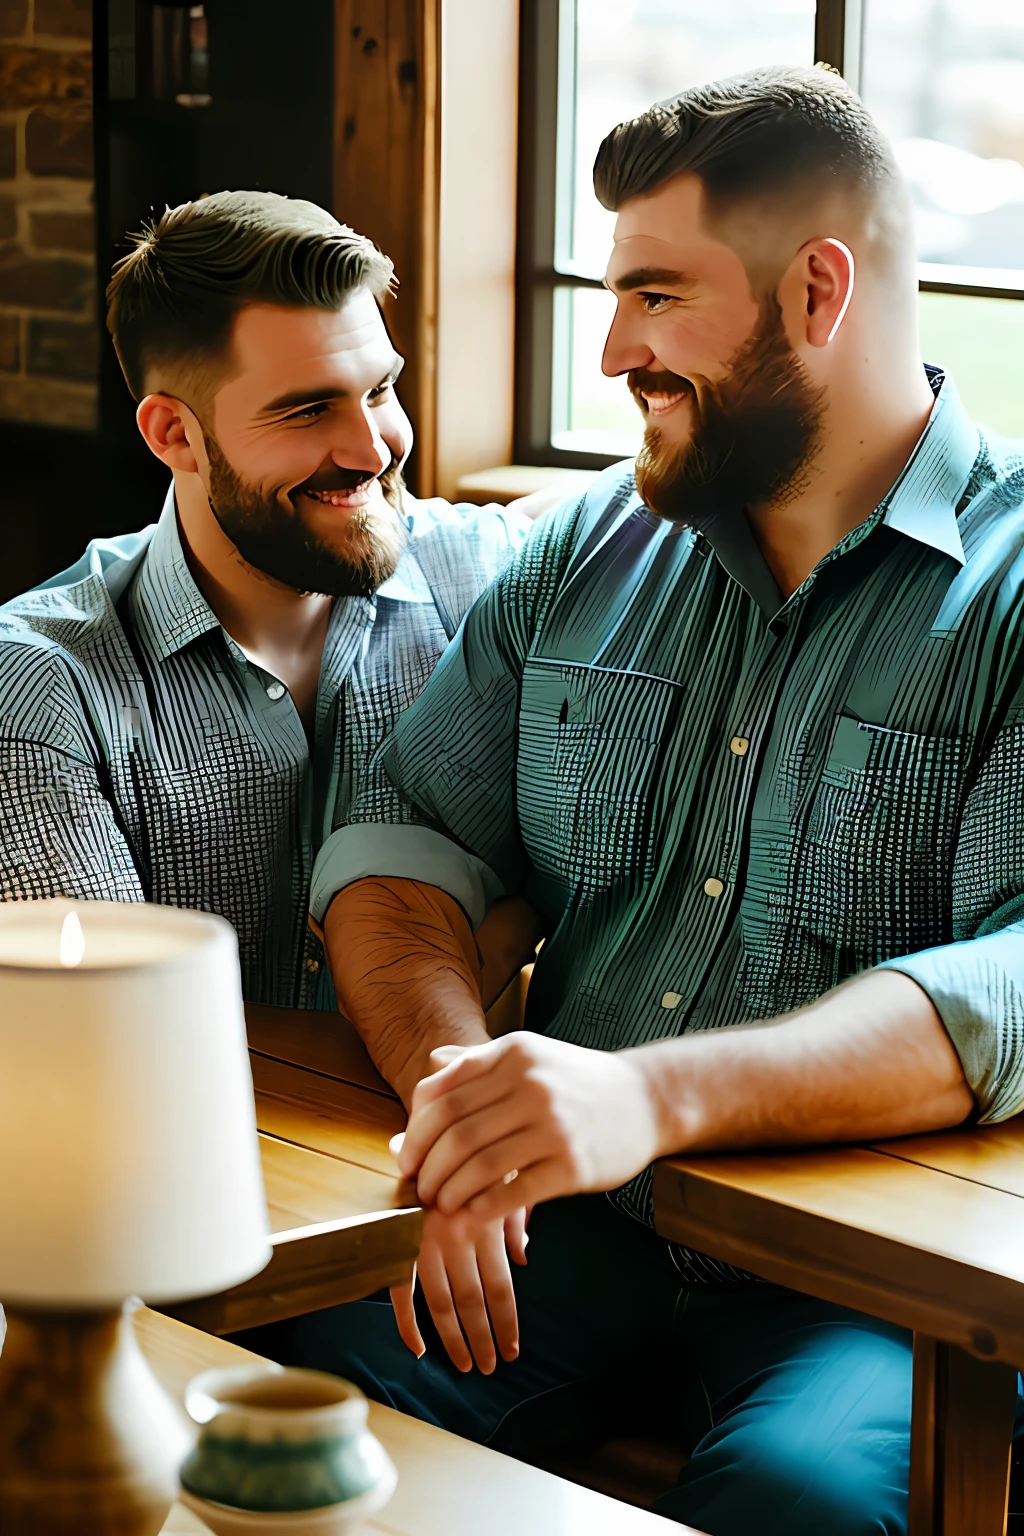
747,730
188,712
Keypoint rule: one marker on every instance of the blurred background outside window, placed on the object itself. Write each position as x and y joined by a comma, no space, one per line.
945,78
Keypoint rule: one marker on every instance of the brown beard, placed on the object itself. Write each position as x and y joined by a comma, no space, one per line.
278,542
756,434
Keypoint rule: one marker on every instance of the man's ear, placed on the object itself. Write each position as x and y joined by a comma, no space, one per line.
821,279
167,426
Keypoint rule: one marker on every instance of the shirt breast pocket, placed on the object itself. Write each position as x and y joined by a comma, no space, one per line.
591,740
876,871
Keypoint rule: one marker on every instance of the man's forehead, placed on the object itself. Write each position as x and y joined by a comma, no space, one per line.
664,231
672,211
281,336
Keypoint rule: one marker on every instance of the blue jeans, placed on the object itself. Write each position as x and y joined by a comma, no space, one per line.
800,1410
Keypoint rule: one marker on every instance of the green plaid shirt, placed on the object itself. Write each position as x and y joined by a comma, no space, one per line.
725,803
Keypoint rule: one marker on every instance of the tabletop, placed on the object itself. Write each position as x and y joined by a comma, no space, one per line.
926,1231
445,1484
343,1222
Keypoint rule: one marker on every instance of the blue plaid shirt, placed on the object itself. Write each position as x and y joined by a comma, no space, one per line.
144,757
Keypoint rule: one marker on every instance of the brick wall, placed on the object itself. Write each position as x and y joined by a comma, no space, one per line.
49,334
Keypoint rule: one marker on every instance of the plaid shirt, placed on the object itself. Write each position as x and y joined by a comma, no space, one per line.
725,803
144,757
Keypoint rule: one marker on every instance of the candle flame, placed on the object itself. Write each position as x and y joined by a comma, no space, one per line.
72,941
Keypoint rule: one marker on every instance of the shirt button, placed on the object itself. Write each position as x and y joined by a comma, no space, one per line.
671,999
713,887
739,745
275,690
313,965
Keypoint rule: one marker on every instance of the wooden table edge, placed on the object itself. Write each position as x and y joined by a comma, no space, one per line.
311,1269
869,1272
177,1352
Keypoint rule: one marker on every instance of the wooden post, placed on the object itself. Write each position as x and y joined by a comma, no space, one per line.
960,1441
387,179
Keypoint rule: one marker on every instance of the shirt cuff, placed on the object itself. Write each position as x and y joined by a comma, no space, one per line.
977,987
402,852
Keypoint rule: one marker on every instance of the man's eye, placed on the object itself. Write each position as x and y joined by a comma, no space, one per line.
310,412
654,303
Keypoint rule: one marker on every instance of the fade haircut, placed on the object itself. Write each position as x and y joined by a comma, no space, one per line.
781,138
172,301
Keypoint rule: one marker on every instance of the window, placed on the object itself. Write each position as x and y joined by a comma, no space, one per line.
945,78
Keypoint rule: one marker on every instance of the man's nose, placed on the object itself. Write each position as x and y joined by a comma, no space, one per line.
360,446
624,349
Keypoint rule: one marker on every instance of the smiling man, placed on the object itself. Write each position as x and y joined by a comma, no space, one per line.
189,712
746,727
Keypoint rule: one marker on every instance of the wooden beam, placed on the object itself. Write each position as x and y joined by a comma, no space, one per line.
960,1442
387,179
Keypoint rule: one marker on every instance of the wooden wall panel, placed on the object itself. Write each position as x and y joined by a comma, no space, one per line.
386,179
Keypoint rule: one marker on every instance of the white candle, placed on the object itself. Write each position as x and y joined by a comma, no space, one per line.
129,1162
96,935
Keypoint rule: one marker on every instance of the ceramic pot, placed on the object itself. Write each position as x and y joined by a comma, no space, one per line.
282,1450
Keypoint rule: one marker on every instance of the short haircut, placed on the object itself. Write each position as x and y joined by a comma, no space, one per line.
172,301
771,133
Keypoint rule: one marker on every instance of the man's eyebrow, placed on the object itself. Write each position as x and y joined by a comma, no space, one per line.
297,398
651,277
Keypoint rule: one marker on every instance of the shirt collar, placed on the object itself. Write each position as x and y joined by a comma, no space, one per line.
922,504
168,608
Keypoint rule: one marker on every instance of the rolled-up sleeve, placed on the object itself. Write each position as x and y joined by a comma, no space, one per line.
977,982
407,853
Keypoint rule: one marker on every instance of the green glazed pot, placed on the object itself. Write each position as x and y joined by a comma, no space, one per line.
279,1441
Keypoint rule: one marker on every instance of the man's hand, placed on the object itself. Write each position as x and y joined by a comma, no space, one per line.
463,1269
871,1059
527,1118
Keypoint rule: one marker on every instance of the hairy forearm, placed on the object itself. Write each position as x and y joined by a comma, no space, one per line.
406,972
869,1059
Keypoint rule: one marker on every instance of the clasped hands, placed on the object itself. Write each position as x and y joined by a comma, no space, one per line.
500,1126
493,1129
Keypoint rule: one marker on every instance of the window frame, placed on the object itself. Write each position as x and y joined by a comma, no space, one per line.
545,184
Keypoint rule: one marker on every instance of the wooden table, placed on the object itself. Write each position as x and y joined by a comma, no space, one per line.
927,1232
446,1486
344,1223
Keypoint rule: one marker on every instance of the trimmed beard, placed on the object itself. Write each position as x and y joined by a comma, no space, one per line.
278,542
756,435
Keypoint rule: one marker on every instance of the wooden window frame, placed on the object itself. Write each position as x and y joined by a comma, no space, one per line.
543,273
425,164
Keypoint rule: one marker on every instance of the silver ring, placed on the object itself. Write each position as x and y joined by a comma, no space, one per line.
509,1177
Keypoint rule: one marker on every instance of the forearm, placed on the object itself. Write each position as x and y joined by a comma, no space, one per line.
406,972
869,1059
